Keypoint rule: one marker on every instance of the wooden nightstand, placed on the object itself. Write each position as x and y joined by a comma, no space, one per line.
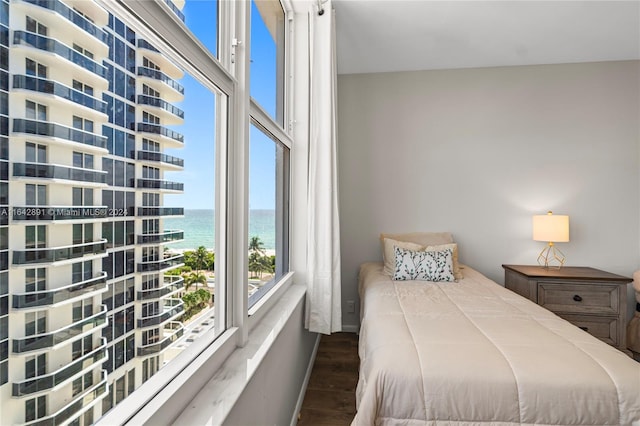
594,300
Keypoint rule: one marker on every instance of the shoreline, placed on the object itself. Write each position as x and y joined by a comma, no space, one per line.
268,252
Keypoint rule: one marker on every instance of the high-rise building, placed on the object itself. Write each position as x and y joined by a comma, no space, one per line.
86,309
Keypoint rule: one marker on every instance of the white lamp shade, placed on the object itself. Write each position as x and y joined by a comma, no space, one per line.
551,228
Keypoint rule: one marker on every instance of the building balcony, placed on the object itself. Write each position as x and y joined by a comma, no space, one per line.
151,76
160,59
160,211
55,213
167,236
47,129
169,114
171,285
48,340
172,332
54,171
83,400
46,44
165,135
50,87
59,254
94,10
161,264
163,185
158,157
71,16
61,295
90,361
173,308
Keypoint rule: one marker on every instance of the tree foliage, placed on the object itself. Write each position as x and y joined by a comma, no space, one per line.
195,301
200,259
259,262
194,278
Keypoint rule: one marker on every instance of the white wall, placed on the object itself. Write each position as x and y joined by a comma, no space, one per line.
271,396
478,151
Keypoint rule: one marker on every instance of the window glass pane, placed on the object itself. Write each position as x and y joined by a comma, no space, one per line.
178,176
267,56
201,18
268,183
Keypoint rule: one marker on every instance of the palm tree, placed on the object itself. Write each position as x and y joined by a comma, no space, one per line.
255,245
200,256
255,265
194,278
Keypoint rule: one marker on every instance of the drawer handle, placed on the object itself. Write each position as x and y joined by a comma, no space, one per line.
577,298
584,328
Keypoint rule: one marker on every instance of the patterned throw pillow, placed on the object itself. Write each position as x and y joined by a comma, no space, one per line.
423,265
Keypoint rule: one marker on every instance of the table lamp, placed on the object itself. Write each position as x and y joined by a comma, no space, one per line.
551,228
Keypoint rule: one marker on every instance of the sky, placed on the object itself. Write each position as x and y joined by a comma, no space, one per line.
198,129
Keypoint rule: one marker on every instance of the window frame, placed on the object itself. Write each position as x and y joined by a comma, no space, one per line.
228,79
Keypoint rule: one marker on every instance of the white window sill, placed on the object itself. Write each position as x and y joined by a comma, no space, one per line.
216,399
205,389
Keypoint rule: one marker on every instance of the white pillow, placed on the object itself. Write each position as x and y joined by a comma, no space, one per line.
389,256
423,265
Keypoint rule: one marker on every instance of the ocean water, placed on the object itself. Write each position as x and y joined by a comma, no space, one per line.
198,227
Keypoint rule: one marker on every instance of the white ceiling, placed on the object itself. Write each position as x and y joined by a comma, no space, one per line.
401,35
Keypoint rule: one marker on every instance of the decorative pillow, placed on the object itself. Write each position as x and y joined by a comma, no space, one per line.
423,265
421,238
388,253
457,273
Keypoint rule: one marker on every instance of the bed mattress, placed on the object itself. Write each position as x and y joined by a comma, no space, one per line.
472,352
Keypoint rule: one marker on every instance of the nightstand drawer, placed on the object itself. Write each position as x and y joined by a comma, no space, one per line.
582,298
605,329
591,299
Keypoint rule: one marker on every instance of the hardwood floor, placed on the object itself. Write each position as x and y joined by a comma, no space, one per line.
330,398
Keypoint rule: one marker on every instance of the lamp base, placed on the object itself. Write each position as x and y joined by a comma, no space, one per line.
550,254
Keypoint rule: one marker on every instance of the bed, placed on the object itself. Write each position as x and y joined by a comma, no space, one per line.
472,352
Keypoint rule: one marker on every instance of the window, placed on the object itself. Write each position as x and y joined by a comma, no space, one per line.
35,280
36,111
35,69
83,346
82,196
36,195
82,271
35,366
82,50
82,160
82,309
268,219
267,57
146,90
36,27
35,153
82,233
214,175
150,118
35,408
150,172
150,199
81,87
35,236
82,124
35,323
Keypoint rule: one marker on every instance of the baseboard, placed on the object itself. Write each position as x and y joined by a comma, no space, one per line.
305,383
350,328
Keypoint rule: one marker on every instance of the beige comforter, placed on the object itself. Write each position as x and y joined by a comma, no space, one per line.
473,352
